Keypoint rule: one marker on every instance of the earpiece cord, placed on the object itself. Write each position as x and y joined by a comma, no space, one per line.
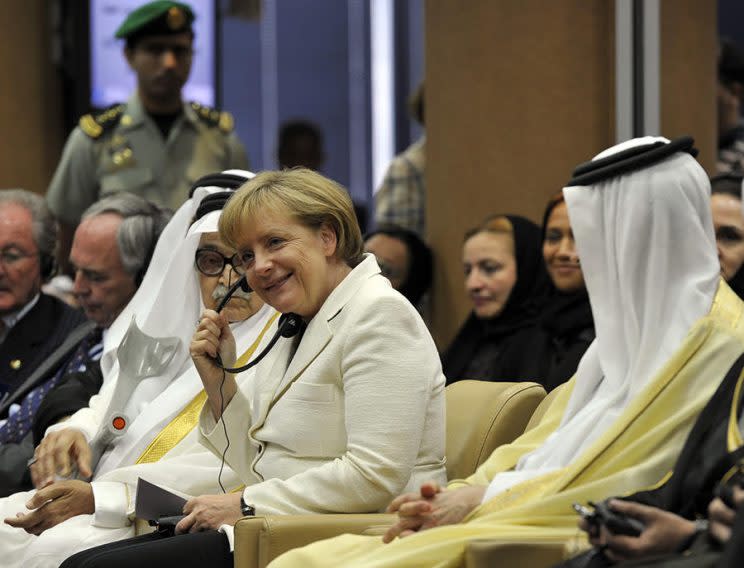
224,427
226,370
258,358
288,324
220,306
228,295
218,360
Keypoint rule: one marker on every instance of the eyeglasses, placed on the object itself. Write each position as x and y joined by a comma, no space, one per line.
211,263
13,257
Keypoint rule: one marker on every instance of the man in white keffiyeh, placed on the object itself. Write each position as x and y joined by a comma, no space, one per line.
668,329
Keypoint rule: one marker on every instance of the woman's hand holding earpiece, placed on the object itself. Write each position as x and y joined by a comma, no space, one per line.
213,337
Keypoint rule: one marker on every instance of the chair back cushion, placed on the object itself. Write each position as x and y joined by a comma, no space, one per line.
542,408
482,415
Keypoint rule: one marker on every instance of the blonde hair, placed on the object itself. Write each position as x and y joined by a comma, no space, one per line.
309,197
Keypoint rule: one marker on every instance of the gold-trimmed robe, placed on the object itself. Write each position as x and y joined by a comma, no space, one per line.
636,452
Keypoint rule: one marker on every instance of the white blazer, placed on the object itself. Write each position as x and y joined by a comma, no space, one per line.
344,418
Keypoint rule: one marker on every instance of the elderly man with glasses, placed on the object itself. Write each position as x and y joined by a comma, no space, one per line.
32,324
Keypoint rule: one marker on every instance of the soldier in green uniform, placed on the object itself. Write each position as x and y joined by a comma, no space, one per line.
155,145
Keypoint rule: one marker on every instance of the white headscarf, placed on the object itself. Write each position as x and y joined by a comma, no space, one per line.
159,304
168,302
648,254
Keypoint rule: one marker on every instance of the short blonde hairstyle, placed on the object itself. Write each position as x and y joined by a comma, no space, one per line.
309,197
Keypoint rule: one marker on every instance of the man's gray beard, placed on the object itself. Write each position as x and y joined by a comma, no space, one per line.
221,291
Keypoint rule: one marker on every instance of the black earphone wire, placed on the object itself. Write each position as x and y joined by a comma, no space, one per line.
293,328
224,428
218,360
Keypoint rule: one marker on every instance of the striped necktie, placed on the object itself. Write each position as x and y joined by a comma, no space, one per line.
19,423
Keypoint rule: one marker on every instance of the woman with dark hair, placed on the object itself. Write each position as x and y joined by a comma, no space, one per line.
728,223
565,327
404,259
505,279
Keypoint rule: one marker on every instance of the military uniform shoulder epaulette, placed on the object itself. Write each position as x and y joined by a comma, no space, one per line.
213,117
95,125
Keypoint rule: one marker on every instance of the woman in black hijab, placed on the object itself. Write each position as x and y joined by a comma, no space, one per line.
505,279
565,327
728,222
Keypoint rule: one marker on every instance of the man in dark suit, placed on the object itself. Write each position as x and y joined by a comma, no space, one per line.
32,324
110,254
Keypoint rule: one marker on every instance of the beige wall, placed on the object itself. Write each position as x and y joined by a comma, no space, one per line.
518,93
689,45
30,109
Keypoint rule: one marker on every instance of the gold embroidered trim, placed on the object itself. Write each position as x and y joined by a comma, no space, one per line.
734,439
187,419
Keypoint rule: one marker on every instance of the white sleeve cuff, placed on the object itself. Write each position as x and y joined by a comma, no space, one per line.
113,506
229,532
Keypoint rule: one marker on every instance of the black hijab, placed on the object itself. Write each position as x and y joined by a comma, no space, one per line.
563,312
420,261
730,183
566,326
737,282
521,310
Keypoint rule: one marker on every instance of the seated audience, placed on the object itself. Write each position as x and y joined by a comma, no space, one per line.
505,280
161,443
340,415
565,328
403,259
32,324
110,252
668,330
728,222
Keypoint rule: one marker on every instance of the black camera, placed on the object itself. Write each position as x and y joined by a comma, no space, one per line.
167,524
615,522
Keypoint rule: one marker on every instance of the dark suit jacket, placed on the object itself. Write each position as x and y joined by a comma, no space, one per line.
70,395
34,337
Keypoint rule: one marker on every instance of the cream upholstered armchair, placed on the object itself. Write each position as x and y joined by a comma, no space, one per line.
480,417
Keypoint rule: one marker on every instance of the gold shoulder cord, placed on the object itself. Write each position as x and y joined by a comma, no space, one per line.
734,440
188,418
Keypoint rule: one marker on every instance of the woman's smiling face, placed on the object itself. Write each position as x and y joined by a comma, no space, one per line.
288,263
559,251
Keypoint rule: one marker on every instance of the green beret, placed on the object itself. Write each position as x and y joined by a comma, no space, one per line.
161,17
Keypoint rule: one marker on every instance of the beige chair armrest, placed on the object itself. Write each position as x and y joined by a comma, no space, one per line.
488,553
258,540
481,416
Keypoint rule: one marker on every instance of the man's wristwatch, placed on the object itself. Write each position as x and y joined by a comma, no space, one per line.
246,509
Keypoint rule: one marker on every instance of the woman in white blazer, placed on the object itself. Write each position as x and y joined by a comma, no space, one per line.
339,418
